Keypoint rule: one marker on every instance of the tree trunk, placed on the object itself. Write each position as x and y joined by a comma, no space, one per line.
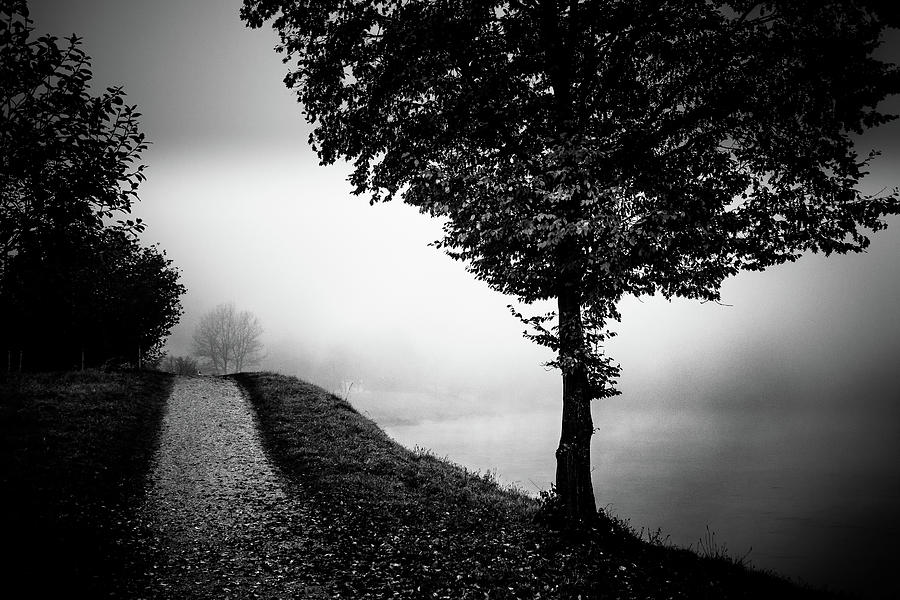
573,457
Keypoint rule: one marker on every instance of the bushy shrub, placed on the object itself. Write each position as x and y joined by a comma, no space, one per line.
179,365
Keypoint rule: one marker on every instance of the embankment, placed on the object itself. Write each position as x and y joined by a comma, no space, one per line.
401,523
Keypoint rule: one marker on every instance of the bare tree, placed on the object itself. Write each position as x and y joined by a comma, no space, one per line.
228,339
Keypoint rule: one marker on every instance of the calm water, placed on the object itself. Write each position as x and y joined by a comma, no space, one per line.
810,492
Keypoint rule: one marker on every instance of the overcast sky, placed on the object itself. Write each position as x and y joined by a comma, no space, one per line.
240,204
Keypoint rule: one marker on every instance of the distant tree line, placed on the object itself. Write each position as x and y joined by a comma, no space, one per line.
76,285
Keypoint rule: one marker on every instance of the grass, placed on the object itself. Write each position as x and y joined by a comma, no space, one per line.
399,523
75,450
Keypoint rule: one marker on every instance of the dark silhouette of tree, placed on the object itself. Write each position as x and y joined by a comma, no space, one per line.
68,157
140,302
98,298
584,150
228,339
75,285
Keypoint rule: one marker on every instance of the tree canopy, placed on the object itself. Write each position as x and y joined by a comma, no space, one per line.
585,150
73,277
69,158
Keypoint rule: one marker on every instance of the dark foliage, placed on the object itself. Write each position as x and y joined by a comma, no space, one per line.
100,295
75,286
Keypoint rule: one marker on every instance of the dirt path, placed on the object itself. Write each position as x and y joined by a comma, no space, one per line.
216,514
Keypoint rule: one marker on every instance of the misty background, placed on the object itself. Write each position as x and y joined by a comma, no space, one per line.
774,421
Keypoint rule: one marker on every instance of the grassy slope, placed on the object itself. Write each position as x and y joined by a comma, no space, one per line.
397,523
74,453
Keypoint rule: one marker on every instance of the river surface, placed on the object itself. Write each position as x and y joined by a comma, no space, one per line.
808,494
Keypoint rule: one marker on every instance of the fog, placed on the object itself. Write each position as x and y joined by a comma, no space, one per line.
801,366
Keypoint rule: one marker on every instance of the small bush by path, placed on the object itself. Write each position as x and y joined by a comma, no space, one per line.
75,450
406,524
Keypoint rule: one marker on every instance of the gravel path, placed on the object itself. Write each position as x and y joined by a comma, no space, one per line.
217,518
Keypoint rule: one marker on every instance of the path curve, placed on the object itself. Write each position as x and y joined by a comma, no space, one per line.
216,515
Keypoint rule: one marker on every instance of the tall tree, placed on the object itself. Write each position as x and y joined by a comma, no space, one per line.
584,150
228,339
69,158
74,281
